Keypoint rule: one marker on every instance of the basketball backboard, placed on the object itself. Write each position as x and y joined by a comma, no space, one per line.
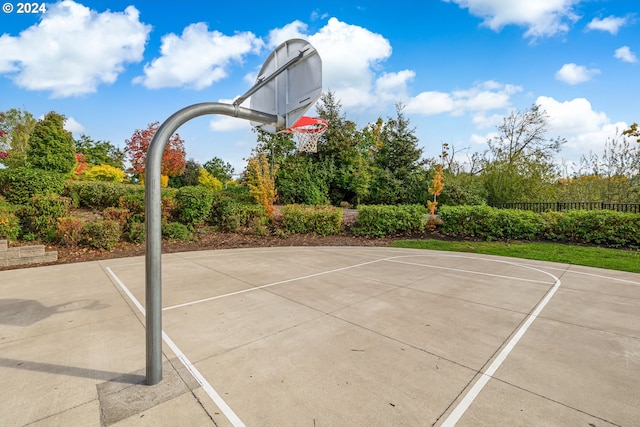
289,83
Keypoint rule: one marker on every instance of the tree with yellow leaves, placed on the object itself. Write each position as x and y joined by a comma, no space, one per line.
261,179
437,184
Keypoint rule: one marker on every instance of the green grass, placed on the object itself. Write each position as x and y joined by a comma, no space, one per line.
613,259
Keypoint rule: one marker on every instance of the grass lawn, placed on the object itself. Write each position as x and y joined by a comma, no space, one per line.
613,259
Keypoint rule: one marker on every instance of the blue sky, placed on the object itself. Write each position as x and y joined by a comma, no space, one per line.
458,66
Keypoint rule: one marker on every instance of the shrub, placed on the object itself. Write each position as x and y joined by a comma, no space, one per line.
9,222
193,204
135,232
384,220
120,215
322,220
209,181
104,173
40,215
231,215
102,234
490,223
99,194
18,185
176,231
69,230
610,228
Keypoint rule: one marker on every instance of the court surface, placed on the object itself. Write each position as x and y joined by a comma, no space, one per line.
324,336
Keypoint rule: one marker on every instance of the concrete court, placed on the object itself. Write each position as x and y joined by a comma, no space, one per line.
324,336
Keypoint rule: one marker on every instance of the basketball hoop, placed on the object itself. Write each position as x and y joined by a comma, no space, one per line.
308,131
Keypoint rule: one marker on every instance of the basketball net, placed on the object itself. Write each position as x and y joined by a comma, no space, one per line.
308,131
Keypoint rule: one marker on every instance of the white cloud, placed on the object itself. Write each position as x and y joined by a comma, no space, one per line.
73,126
198,58
610,24
351,62
625,55
293,30
542,18
574,74
484,96
73,49
584,128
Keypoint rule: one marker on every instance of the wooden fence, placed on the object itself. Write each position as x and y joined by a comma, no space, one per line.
565,206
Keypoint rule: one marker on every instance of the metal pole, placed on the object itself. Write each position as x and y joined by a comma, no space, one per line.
153,219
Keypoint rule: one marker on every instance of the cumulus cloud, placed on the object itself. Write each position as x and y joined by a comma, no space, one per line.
574,74
625,54
541,18
482,97
584,128
197,58
611,24
73,126
352,58
73,49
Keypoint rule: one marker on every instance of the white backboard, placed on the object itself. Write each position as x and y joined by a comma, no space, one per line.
294,88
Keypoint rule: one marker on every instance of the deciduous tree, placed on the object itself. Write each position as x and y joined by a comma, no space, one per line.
15,127
173,157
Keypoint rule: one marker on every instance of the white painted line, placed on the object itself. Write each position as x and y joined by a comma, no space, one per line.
270,284
459,270
213,394
464,404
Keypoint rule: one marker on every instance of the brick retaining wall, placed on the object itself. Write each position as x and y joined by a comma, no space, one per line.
24,255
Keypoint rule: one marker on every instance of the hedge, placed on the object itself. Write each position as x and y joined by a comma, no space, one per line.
384,220
322,220
18,185
229,214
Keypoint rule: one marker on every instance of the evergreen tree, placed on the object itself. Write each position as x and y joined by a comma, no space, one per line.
51,147
398,151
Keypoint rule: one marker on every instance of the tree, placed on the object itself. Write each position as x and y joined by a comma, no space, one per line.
398,152
261,176
99,152
173,157
633,131
524,134
51,146
15,128
189,176
220,169
519,165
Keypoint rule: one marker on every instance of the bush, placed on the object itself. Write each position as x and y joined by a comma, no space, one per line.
384,220
102,234
193,204
69,230
135,232
103,173
120,215
322,220
176,231
9,222
18,185
231,215
490,223
209,181
40,215
610,228
99,194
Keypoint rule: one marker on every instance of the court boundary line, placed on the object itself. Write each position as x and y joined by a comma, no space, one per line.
206,386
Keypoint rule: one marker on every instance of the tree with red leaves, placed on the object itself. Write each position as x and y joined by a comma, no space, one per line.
173,158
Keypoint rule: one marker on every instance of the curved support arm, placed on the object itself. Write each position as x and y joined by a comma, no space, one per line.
153,219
